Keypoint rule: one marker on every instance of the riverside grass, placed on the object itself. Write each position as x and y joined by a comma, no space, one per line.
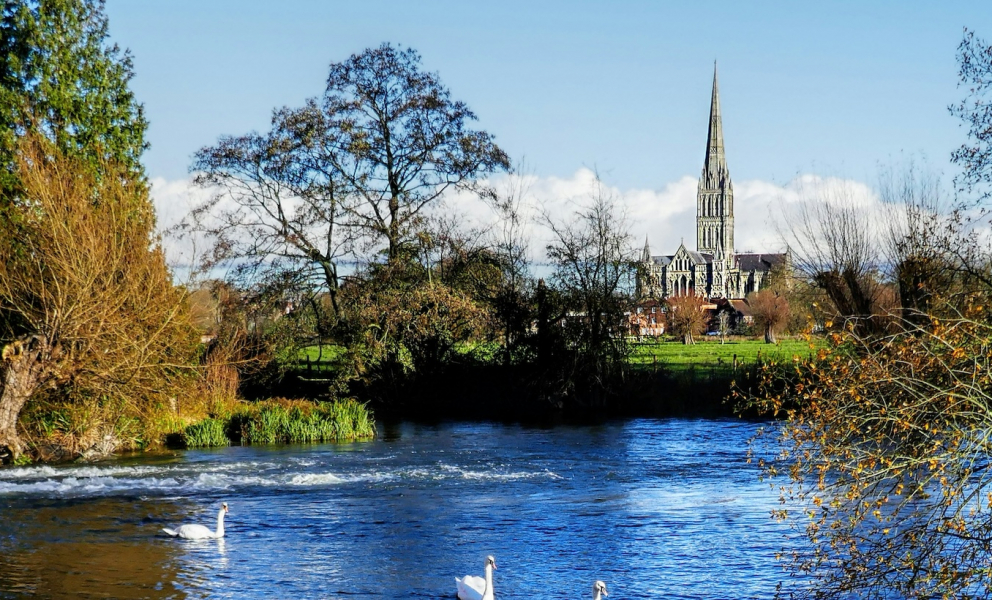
283,422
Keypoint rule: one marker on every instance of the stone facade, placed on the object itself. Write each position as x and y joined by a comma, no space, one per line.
713,270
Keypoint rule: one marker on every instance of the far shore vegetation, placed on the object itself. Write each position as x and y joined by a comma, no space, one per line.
871,348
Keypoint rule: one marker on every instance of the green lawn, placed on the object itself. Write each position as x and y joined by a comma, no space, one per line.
709,353
322,363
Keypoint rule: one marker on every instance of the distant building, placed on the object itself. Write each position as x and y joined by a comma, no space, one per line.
713,270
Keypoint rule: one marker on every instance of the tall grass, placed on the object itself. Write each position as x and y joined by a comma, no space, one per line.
205,434
284,422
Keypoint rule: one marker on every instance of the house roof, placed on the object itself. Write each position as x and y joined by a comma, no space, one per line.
741,307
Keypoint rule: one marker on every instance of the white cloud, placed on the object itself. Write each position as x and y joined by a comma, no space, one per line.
173,201
666,216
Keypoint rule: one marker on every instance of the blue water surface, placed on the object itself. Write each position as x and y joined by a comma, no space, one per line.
656,508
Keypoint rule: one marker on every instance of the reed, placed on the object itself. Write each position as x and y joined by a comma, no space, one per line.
205,434
282,421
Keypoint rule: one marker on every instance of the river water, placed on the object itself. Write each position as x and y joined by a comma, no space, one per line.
656,508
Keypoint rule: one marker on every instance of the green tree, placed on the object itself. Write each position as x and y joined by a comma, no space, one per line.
62,78
403,323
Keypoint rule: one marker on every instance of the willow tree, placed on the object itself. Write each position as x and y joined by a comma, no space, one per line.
686,316
88,311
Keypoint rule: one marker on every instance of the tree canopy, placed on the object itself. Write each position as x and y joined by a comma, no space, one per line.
61,78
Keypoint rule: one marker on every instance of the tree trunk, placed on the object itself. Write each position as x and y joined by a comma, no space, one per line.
769,335
21,366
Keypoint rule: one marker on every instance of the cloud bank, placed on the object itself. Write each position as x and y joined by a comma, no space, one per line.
665,216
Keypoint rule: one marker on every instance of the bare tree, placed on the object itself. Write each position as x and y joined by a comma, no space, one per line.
594,271
836,245
686,317
975,157
771,312
400,142
923,243
277,212
723,320
510,243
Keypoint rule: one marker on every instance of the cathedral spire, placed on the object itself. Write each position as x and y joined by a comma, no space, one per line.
715,164
646,255
715,195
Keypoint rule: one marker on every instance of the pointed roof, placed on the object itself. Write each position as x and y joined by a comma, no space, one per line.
646,255
715,173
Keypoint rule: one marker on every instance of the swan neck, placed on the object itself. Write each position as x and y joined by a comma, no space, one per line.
220,523
488,594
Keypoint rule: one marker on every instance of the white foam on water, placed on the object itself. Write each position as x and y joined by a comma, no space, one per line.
88,486
96,480
315,479
496,475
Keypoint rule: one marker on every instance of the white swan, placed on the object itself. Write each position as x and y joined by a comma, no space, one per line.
199,532
599,590
477,588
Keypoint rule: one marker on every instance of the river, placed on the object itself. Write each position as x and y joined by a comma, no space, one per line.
655,508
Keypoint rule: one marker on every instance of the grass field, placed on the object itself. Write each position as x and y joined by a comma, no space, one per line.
321,362
710,354
707,354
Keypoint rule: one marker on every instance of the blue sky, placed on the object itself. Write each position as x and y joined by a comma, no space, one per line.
623,86
829,89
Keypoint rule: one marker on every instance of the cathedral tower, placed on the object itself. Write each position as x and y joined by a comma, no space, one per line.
715,195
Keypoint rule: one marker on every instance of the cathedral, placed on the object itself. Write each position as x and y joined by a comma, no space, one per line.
713,269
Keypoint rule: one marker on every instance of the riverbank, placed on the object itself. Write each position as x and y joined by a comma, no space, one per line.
87,433
660,379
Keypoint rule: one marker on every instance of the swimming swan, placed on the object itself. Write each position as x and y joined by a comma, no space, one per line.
477,588
599,590
199,532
